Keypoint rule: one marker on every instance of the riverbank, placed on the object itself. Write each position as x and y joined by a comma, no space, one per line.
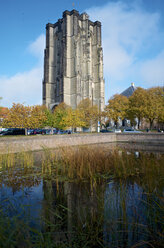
36,143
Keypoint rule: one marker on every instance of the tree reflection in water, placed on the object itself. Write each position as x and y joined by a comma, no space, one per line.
104,213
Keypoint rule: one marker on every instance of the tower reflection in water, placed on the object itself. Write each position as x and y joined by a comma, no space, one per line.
114,213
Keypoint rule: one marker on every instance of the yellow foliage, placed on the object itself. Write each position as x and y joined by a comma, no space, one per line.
20,116
89,113
117,107
74,118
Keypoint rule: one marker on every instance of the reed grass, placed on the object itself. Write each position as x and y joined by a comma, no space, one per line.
23,159
93,163
90,164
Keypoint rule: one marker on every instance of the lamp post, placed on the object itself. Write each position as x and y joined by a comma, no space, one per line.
98,124
92,93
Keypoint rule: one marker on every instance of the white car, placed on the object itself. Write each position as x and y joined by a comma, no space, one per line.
116,130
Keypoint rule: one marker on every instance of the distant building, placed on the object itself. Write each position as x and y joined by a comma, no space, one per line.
129,91
73,61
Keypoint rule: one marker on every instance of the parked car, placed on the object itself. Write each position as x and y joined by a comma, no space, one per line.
68,131
105,131
131,130
116,130
30,131
13,131
49,131
3,131
38,131
61,132
55,131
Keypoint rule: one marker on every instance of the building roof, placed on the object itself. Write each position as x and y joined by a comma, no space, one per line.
129,91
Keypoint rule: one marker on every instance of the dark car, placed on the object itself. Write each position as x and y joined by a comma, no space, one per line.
61,131
68,131
105,131
37,131
13,131
30,131
3,131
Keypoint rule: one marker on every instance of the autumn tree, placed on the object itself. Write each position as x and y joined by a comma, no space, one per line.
161,112
137,105
20,116
3,114
117,108
90,113
17,116
74,118
154,104
37,116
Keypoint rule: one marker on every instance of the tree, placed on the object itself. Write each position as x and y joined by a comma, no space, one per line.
17,116
20,116
3,114
90,114
60,113
154,104
161,112
37,117
74,118
117,108
137,105
49,118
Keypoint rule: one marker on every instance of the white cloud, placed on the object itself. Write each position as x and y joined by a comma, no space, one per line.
130,35
36,48
152,71
25,87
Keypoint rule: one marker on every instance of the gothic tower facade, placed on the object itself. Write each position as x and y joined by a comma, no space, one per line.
73,61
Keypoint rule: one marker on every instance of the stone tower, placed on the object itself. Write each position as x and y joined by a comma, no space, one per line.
73,61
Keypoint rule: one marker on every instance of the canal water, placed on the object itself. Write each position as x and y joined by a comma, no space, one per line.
39,211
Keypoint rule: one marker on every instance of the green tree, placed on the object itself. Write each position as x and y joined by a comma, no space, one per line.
49,118
117,108
60,113
90,114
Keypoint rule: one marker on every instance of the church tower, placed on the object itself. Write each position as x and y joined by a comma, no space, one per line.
73,61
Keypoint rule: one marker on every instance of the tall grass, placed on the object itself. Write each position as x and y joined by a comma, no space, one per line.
64,224
23,159
92,163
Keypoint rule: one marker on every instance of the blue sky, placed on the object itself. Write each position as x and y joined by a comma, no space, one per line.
133,44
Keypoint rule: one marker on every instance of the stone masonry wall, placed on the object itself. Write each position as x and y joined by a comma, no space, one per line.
34,143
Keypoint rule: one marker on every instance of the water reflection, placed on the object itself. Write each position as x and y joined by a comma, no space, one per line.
114,213
130,215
